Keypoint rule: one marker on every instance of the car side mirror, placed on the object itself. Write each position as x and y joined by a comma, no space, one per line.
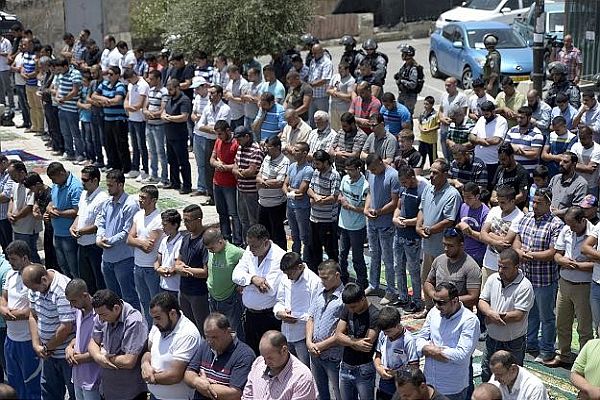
506,10
458,44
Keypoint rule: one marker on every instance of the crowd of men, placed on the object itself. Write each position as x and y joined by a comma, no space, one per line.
499,245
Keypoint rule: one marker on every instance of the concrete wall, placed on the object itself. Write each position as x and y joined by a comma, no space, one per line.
46,18
335,26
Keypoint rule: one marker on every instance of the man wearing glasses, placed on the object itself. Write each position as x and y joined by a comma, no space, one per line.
447,341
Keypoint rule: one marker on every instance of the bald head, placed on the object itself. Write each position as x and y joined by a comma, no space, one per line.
34,273
317,50
7,392
274,339
486,391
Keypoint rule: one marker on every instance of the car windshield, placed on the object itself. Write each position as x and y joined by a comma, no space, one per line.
482,4
507,38
556,22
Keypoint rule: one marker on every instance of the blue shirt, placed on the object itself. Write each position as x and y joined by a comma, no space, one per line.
276,89
438,205
29,65
273,123
296,177
569,113
114,112
66,83
381,189
356,194
410,198
325,313
394,118
65,197
113,222
85,115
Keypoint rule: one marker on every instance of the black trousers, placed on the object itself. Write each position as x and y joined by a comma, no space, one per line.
179,162
51,114
49,252
256,323
90,267
6,233
323,236
272,218
117,145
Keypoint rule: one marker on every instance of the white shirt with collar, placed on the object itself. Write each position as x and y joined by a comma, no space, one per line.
114,58
487,130
297,297
89,207
570,244
526,387
211,114
269,269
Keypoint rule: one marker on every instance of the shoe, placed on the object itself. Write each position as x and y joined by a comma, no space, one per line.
401,303
557,362
371,291
170,186
388,299
544,359
141,176
23,126
196,193
532,352
67,157
150,179
209,202
57,153
412,308
185,191
132,174
163,185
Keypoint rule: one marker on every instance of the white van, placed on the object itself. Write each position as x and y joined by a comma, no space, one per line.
485,10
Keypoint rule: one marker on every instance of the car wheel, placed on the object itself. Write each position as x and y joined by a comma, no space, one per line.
467,78
433,66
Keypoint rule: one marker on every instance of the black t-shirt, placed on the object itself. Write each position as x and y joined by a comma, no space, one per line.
358,327
412,158
518,178
194,254
182,75
177,106
91,58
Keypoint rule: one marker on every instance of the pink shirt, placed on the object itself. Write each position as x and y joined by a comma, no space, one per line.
295,381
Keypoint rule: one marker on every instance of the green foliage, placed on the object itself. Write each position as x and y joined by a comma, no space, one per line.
149,18
236,28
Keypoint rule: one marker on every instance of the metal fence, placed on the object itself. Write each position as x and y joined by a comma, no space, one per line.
583,23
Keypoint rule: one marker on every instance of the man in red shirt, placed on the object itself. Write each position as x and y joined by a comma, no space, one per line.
224,182
364,105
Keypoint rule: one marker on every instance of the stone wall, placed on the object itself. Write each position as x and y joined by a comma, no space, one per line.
46,18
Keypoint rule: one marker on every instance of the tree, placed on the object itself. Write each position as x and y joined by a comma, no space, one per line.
239,29
149,19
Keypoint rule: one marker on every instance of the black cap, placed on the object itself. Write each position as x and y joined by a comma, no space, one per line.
241,131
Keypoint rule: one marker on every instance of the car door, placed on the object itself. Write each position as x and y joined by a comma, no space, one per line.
508,16
457,53
445,49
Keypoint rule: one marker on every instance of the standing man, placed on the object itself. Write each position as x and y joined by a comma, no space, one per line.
491,68
269,121
588,159
407,79
89,255
510,173
526,140
7,95
341,88
67,94
155,131
6,190
137,93
114,222
294,132
450,98
364,105
535,242
29,72
381,201
52,323
505,301
349,142
259,273
320,71
233,94
176,113
62,211
118,342
571,57
567,187
380,141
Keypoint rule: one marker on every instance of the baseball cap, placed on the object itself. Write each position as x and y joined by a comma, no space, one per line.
589,201
198,81
241,131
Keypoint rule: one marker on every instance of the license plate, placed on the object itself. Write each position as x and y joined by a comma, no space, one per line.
520,78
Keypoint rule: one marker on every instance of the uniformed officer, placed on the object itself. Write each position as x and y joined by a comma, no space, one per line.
491,68
377,59
308,41
351,56
407,78
558,72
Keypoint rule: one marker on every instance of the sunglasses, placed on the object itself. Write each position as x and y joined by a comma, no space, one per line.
441,302
86,180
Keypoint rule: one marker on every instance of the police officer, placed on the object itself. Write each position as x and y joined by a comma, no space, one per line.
308,41
407,78
351,56
491,68
377,59
560,84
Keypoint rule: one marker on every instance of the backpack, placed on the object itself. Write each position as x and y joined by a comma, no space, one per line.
420,79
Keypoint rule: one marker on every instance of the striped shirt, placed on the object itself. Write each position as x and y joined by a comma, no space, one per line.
321,140
395,118
273,168
474,170
66,83
324,184
244,158
294,382
115,112
273,123
459,134
351,142
206,72
363,109
6,188
558,144
156,97
29,65
325,313
532,139
52,309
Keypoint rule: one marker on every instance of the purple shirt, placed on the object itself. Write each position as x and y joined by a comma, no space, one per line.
85,375
475,219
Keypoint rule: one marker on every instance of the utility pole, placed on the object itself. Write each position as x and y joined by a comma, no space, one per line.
538,46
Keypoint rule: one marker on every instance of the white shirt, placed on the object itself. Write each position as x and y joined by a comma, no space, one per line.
89,207
570,243
18,299
211,114
484,130
114,58
269,269
136,92
23,197
500,226
169,252
18,63
526,387
128,60
5,47
144,226
235,88
297,297
104,59
475,102
179,345
586,157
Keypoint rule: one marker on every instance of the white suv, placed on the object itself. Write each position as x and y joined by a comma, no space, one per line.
485,10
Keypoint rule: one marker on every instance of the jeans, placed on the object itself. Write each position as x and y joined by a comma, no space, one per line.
119,278
117,145
51,115
233,308
272,218
23,105
355,241
516,347
445,149
66,255
324,235
82,394
381,244
137,133
90,267
300,350
69,127
179,162
357,382
88,140
31,240
56,374
203,148
155,136
98,136
407,253
298,221
23,368
6,89
326,374
595,305
248,210
543,313
226,203
147,285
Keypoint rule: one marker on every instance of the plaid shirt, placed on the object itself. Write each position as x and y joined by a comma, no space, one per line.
539,235
320,69
572,59
473,171
460,134
363,109
324,184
